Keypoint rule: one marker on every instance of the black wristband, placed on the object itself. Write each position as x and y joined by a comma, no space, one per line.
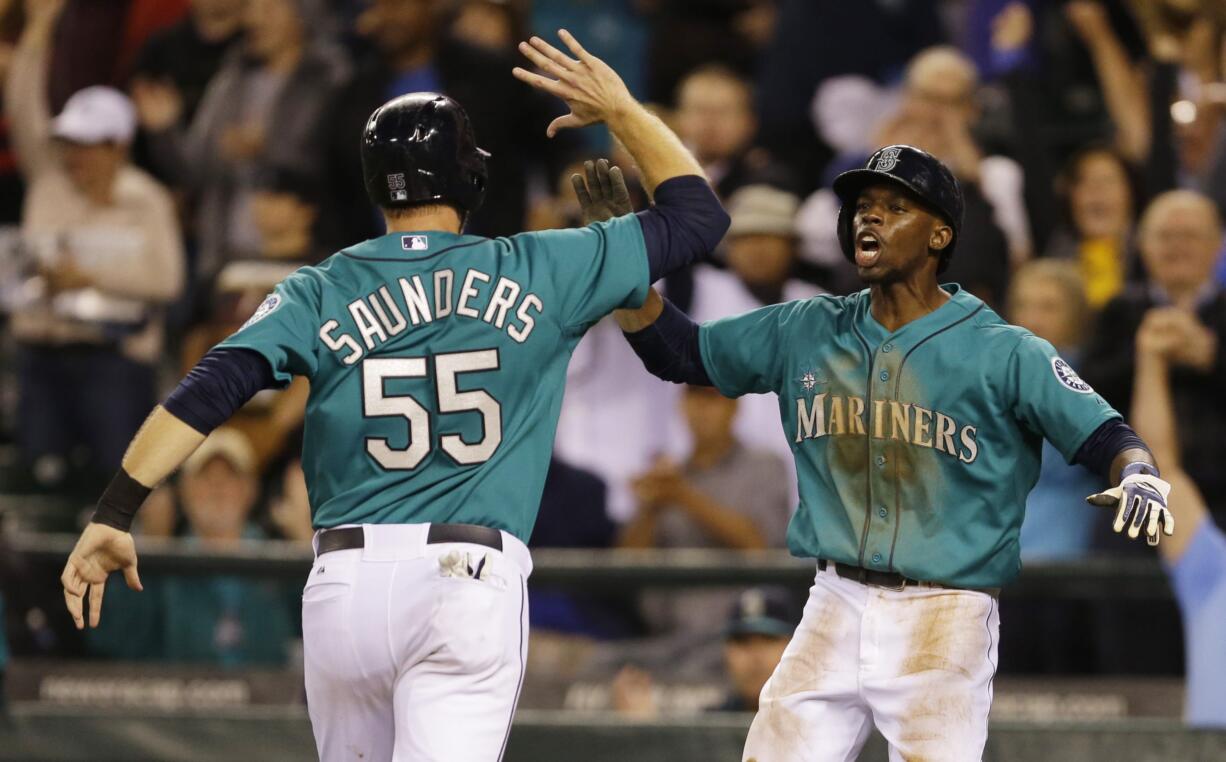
119,503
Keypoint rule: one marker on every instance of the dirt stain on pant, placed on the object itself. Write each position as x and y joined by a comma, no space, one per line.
944,663
804,668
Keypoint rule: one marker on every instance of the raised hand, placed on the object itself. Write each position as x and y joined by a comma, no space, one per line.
590,87
602,194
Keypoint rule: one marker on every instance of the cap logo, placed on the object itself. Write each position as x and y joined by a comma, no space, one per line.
887,158
396,184
753,604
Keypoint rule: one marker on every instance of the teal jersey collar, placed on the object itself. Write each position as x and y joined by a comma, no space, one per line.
960,305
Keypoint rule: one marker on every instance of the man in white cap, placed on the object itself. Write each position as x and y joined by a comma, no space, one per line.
108,253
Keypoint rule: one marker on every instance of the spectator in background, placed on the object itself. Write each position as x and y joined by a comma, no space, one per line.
264,108
96,42
1195,556
1099,197
715,119
761,252
817,39
1180,146
188,53
725,495
1180,236
759,627
412,53
689,33
566,625
493,25
108,253
760,623
222,620
1046,297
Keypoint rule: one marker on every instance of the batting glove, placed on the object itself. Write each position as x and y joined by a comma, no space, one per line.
1140,502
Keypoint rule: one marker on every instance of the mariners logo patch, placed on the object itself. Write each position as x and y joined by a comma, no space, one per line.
270,303
414,242
396,184
887,159
1068,377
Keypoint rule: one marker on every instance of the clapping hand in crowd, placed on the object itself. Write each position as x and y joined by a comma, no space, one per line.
662,485
1179,337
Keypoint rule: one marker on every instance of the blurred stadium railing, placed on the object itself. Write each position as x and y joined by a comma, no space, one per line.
40,735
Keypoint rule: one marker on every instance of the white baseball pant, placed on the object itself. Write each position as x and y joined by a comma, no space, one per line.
917,662
415,652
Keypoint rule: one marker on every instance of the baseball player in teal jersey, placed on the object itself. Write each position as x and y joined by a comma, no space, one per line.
916,417
436,363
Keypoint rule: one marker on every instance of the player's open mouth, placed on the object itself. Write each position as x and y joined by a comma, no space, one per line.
868,249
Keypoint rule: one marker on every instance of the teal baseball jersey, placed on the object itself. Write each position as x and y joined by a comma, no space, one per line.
915,449
436,364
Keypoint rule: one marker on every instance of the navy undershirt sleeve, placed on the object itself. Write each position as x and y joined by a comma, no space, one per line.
1107,441
669,348
684,225
220,384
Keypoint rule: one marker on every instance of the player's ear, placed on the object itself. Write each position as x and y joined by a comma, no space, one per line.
941,237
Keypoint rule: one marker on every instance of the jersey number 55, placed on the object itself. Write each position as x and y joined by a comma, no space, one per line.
376,403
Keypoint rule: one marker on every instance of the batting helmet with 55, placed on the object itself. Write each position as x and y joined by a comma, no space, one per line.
420,149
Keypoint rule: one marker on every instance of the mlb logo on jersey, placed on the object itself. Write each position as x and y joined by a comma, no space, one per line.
396,184
887,159
414,242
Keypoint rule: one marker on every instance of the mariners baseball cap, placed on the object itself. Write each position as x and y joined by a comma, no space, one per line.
762,611
225,442
96,115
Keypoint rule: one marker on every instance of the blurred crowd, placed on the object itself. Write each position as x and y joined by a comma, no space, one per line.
163,163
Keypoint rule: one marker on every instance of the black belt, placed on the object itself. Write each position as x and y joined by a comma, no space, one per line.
892,580
348,538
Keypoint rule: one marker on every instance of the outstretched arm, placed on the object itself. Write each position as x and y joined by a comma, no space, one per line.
220,384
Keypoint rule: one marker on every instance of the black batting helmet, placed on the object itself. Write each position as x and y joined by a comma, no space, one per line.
420,149
919,172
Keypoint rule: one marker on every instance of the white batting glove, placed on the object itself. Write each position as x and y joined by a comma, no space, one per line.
1140,502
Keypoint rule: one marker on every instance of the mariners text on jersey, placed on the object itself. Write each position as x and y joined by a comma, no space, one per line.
404,303
889,419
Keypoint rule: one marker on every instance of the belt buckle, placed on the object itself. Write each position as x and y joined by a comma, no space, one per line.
896,588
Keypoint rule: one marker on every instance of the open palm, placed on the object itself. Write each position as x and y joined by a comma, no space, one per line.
590,87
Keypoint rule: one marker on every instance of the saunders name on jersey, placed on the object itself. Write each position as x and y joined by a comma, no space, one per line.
392,308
